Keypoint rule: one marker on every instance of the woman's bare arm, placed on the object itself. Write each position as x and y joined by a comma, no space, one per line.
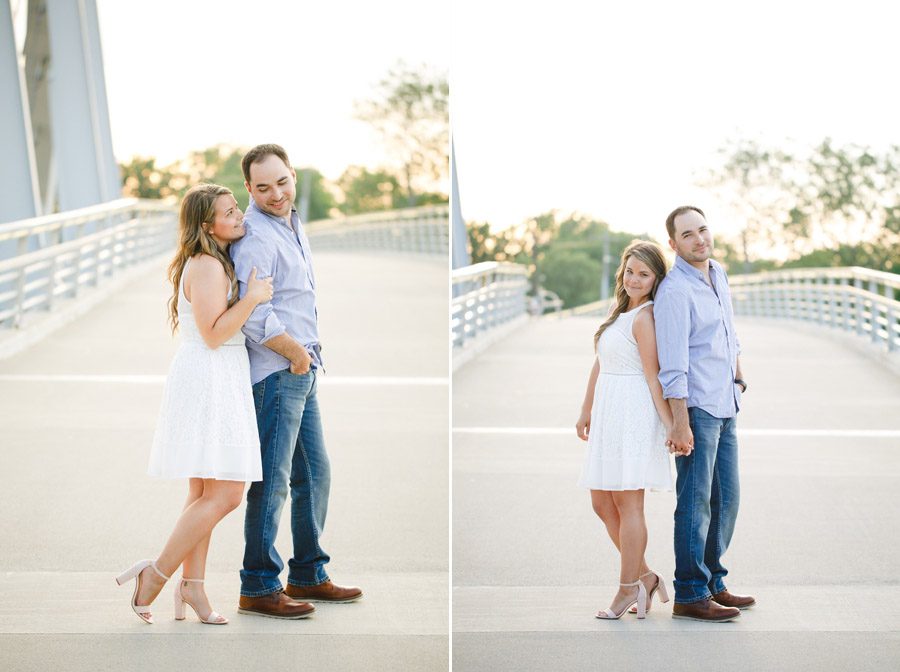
583,426
644,331
207,290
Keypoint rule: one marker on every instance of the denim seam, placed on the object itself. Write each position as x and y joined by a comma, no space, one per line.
693,498
312,510
719,513
273,464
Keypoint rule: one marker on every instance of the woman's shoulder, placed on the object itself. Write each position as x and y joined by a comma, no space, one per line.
643,321
207,263
205,268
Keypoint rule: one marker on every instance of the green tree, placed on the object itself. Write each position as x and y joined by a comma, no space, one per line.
572,274
410,111
754,181
809,198
221,164
141,178
368,191
322,202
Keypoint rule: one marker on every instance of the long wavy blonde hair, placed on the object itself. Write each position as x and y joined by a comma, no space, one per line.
198,212
649,253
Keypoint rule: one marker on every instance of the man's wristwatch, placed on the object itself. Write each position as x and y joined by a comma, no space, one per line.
738,381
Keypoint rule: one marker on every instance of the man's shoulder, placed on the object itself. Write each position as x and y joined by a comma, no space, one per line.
254,238
671,285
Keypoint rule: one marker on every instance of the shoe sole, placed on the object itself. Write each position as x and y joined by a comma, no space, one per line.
746,606
325,601
707,620
250,612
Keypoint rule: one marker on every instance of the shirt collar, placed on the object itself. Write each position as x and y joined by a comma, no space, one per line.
685,267
252,207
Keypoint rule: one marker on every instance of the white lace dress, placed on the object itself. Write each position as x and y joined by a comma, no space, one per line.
627,441
207,421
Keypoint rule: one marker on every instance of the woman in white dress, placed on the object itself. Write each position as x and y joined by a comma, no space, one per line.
624,419
207,424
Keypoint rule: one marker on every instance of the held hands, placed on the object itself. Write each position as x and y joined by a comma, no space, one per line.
301,366
680,441
583,426
259,289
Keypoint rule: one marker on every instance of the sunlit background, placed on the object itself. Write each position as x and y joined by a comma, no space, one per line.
185,77
621,111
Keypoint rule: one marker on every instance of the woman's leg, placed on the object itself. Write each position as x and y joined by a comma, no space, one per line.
632,543
604,506
194,525
195,561
194,565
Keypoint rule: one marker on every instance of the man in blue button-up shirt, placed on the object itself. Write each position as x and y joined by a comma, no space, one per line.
285,358
700,373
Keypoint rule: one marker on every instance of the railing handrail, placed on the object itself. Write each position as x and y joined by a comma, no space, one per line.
61,248
855,299
133,231
381,216
44,223
838,273
487,268
423,230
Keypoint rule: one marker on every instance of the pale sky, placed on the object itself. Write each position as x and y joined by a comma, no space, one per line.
188,74
610,109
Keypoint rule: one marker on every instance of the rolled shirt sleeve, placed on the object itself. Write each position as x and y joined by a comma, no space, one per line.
672,312
263,323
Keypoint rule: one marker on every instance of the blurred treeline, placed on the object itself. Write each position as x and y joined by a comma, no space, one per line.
564,253
826,205
408,109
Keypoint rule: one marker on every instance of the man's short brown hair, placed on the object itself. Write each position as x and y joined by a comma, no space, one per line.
259,153
680,210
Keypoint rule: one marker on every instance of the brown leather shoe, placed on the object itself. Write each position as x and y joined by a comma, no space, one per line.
324,592
705,610
726,599
275,605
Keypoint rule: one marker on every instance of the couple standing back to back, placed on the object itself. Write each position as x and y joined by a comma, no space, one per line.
233,414
668,377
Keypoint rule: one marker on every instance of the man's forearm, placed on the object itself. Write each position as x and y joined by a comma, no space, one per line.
679,412
737,369
287,347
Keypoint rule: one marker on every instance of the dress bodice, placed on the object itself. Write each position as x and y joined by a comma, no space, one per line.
617,349
186,322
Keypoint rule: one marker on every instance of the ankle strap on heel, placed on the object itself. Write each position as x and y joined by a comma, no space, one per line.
159,573
193,580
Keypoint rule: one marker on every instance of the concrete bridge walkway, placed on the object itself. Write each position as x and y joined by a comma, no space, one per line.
78,412
817,537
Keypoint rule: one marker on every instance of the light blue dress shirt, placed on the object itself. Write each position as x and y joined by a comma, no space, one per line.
695,337
279,249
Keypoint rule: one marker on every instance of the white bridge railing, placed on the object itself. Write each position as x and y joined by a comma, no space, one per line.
424,230
486,296
71,258
857,300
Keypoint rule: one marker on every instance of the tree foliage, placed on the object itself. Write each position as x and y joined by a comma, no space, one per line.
564,253
220,164
814,201
366,191
409,109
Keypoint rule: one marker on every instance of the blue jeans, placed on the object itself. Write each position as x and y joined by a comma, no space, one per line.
293,460
708,497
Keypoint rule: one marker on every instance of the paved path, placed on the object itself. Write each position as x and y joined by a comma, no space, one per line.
78,415
817,538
